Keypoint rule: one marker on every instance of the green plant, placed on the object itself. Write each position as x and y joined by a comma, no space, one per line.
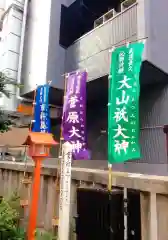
5,122
9,219
44,236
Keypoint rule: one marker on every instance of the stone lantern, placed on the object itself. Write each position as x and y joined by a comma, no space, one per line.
39,148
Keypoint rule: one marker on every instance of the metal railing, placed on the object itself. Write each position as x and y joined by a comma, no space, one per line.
112,13
91,51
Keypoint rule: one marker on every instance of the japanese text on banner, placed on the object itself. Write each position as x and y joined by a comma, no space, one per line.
41,111
124,89
74,115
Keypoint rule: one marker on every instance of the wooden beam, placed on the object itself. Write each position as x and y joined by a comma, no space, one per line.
144,202
162,216
142,182
153,228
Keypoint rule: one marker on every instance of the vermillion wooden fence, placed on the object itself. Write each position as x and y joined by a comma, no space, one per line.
153,194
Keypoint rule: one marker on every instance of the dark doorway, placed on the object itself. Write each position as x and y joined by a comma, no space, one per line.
101,215
134,216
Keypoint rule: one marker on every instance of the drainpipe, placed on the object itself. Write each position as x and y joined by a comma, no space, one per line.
22,45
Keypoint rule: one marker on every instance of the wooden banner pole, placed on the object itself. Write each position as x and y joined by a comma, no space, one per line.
55,220
110,177
65,192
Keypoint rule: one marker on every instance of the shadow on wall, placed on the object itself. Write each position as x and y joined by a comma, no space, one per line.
153,113
96,122
56,132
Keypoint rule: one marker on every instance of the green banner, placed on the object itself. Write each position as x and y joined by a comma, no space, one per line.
123,110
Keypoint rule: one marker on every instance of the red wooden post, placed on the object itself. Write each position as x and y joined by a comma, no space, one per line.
39,148
35,196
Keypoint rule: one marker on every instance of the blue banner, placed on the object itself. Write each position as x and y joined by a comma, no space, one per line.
41,110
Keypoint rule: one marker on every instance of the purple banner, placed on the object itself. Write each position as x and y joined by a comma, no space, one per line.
74,115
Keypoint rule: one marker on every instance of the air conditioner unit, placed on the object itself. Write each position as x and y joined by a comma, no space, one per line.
126,4
110,14
98,22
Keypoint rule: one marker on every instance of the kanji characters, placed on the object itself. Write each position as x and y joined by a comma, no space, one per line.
71,89
130,60
41,95
73,117
121,145
121,114
76,146
78,84
124,83
42,107
120,131
74,132
43,125
73,100
124,136
124,99
121,62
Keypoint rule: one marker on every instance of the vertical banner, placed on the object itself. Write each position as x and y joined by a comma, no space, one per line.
123,112
74,115
65,192
41,110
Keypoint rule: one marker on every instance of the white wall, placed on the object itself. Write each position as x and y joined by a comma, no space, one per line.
17,2
157,21
43,56
2,4
9,54
56,54
36,44
152,24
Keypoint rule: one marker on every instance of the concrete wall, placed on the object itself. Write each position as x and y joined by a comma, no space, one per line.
156,19
43,56
147,19
95,56
153,116
10,49
36,44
